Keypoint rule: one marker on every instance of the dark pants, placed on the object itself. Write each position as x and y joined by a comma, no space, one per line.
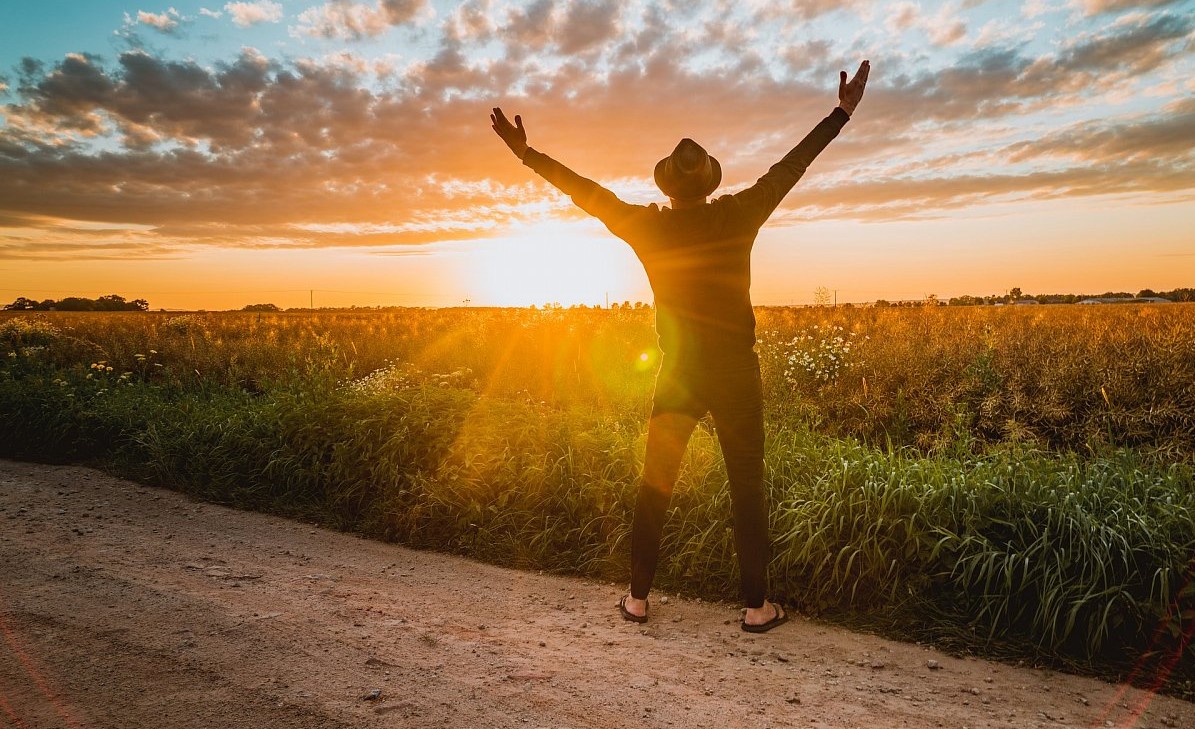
732,394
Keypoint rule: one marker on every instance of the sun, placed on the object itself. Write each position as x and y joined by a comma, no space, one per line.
554,262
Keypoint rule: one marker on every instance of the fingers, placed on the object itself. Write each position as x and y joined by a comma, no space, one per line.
864,70
499,118
841,83
519,122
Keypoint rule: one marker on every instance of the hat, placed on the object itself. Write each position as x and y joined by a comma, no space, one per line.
689,172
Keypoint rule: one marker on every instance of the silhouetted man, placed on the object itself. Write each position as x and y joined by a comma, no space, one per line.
698,260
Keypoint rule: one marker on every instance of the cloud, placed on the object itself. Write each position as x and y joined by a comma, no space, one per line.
348,149
1168,137
149,98
567,28
164,22
245,14
530,27
902,16
586,24
207,13
1095,7
997,82
944,28
471,21
346,20
810,9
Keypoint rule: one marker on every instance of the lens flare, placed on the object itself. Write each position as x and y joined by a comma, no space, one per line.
646,361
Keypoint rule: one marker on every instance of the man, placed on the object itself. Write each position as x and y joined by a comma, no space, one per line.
698,260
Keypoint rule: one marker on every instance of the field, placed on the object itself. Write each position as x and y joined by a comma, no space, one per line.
1013,480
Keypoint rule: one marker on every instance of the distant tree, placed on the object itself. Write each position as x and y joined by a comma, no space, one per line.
1014,293
112,302
21,304
75,303
822,296
1179,295
966,300
882,303
932,300
261,307
1143,293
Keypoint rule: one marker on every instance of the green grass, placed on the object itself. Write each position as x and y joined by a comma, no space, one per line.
1006,547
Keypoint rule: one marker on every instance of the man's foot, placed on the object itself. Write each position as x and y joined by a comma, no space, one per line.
763,618
633,609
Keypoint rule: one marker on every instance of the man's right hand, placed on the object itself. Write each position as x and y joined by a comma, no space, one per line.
514,135
850,92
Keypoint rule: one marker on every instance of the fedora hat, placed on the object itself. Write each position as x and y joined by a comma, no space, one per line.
689,172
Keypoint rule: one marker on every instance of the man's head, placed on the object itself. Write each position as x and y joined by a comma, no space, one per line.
689,173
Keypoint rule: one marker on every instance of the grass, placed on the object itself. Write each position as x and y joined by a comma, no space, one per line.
517,438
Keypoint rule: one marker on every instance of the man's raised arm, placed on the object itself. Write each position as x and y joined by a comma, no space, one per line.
761,199
585,193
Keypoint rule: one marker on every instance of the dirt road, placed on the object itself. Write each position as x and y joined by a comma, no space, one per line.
126,606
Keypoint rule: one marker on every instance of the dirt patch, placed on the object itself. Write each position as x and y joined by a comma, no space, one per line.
128,606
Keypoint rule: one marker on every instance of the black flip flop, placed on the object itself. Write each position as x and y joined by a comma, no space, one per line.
780,618
627,614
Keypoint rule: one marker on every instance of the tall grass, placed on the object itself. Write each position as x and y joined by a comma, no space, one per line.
1057,377
518,438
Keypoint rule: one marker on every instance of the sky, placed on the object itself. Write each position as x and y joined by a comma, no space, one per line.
212,155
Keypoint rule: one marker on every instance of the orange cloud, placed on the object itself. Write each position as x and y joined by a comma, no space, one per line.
265,152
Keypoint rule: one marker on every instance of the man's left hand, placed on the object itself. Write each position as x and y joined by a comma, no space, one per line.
849,92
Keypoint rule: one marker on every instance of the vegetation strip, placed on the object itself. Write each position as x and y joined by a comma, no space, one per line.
1013,543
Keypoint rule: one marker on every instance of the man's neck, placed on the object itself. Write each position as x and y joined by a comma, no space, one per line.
682,204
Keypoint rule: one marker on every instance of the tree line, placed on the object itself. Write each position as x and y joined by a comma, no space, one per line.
111,302
1015,294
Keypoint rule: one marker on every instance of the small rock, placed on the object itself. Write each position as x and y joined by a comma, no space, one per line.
793,699
372,695
933,665
974,691
664,600
878,664
543,644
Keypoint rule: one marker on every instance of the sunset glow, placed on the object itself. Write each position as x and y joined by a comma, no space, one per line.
211,155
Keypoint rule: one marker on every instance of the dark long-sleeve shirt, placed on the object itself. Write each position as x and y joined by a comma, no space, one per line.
698,260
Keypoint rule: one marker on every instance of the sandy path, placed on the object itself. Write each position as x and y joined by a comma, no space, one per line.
126,606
